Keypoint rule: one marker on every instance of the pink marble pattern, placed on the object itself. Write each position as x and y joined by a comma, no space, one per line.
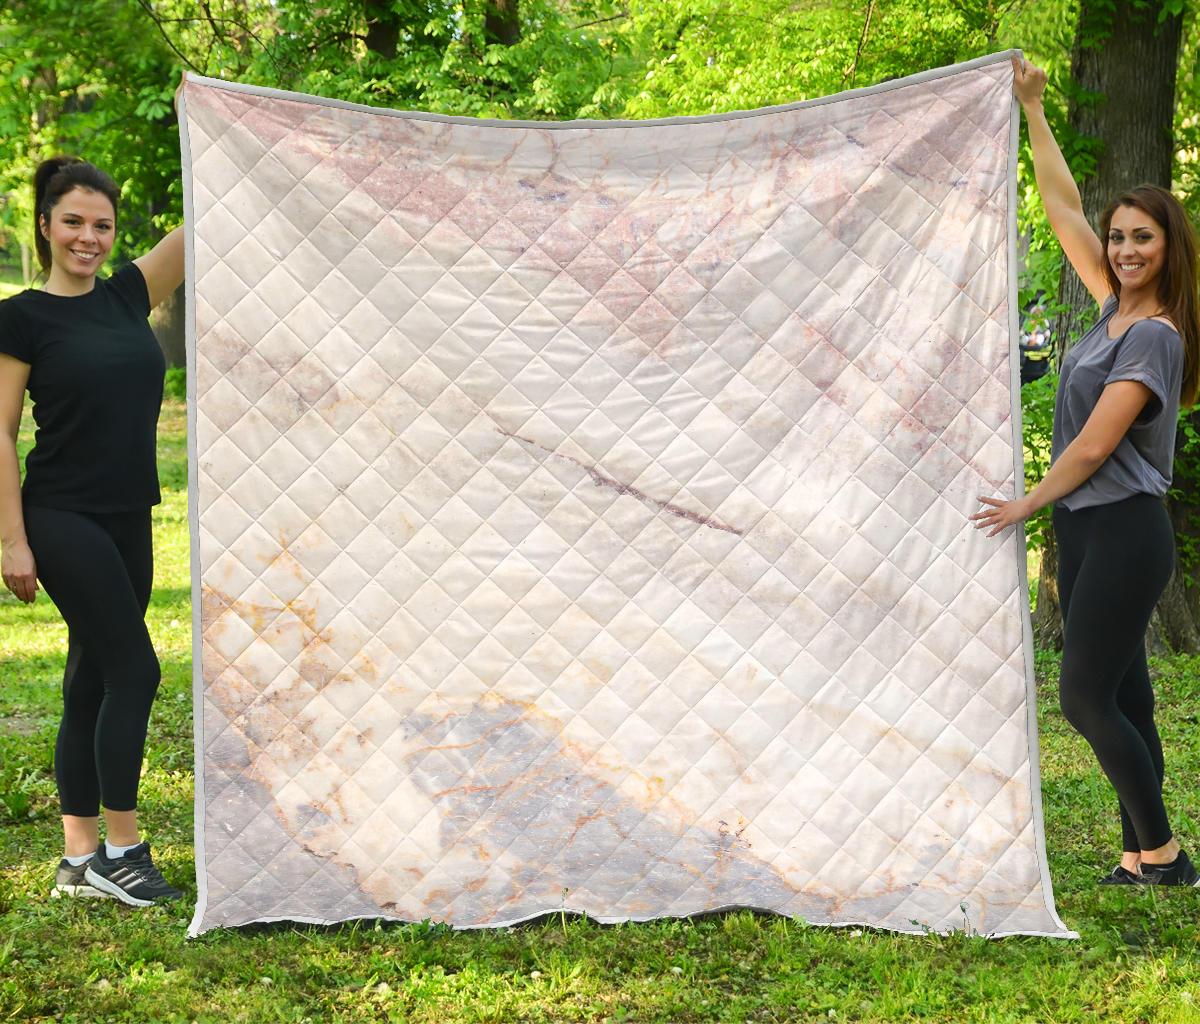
582,515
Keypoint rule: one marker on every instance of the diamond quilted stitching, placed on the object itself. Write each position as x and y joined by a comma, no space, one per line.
508,514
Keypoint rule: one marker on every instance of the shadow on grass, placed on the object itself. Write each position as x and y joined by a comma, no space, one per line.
43,610
169,597
562,920
35,681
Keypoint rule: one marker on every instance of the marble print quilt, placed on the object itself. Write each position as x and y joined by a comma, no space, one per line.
579,513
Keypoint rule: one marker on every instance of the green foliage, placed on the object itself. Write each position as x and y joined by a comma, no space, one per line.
1045,36
111,100
1186,485
1186,176
89,79
15,797
711,56
708,56
561,67
98,79
1037,429
175,383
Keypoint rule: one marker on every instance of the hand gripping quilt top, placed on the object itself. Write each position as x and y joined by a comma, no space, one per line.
579,513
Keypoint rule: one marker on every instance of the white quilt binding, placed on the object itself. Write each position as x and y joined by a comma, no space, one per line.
198,924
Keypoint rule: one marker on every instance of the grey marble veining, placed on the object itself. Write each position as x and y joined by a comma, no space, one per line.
581,514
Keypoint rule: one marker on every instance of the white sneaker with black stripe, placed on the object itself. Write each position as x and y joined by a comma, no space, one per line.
132,878
69,880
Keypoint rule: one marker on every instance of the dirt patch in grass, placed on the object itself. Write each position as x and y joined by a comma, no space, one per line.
20,725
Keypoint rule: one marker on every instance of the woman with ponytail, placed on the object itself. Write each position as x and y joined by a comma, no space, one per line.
80,524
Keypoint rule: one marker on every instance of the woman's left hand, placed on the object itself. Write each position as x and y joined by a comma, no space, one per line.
1004,513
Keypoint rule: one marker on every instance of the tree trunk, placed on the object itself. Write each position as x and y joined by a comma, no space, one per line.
501,22
1047,616
167,322
44,83
1123,66
383,28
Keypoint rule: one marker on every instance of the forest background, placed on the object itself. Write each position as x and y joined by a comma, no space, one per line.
97,78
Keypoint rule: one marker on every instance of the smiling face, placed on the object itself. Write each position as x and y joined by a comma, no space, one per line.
80,232
1136,246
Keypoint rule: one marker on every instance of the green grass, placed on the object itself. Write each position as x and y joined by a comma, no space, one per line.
71,961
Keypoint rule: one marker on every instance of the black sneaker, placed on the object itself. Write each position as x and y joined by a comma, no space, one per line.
132,878
1120,876
69,880
1182,872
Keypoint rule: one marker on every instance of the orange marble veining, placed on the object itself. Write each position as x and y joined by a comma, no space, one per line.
582,515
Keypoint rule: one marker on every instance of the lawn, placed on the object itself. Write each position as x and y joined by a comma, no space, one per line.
98,962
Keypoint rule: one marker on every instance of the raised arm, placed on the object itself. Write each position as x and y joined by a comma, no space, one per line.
162,267
1060,194
16,560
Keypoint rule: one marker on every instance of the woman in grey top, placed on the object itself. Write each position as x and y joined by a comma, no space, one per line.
1115,414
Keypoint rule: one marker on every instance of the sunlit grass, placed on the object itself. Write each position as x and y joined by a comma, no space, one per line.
68,961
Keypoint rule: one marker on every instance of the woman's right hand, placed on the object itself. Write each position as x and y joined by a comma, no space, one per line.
19,572
1029,82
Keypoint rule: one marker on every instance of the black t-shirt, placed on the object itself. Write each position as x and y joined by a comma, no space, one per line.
96,381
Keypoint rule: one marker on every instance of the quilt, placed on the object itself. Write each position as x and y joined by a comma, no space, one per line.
579,513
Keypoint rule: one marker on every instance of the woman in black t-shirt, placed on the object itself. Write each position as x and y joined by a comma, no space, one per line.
81,522
1115,416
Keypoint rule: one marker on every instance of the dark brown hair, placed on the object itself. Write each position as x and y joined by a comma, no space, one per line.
52,180
1177,283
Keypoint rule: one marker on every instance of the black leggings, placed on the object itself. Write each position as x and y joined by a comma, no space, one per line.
98,568
1114,561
